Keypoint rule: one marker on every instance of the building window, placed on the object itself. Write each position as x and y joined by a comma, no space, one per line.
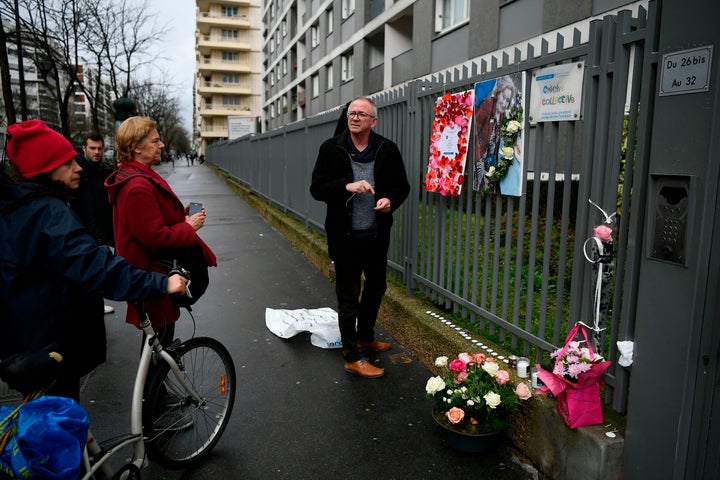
329,76
449,13
272,77
283,27
314,36
228,11
330,21
230,56
229,34
348,8
231,78
231,100
284,66
346,67
272,110
315,81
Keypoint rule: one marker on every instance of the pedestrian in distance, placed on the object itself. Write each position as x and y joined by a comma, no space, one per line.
151,224
90,200
360,175
54,274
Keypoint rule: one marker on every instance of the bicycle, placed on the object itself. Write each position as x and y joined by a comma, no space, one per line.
179,410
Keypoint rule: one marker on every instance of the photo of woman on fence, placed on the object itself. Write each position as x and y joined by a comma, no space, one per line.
494,101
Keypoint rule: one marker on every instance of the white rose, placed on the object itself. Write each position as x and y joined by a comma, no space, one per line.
507,152
490,172
491,368
492,399
441,361
514,126
434,385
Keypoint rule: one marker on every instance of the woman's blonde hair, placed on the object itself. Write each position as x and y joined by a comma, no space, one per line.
131,133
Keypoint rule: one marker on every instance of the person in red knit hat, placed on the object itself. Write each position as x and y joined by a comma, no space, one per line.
53,274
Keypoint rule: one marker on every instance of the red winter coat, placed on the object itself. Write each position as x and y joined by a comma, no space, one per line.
149,225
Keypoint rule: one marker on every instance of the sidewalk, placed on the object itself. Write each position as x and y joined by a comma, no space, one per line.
297,414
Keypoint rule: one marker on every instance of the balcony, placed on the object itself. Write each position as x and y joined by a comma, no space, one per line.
204,5
208,43
207,20
208,66
221,88
212,131
220,110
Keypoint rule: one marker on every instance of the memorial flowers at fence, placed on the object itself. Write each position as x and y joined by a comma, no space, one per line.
474,394
511,129
449,143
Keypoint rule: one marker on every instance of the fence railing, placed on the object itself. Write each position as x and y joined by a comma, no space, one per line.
513,268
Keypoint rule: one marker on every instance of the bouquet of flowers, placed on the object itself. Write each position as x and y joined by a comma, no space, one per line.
475,395
575,380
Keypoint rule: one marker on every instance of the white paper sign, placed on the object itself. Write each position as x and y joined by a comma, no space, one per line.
322,323
556,93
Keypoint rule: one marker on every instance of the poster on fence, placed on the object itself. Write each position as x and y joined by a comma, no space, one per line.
499,124
556,93
449,143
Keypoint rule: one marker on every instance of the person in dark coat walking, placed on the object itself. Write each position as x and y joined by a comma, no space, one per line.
361,177
90,200
52,272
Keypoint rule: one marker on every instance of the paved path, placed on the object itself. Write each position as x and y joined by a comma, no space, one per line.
298,415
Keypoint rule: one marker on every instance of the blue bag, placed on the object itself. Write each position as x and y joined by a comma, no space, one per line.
48,437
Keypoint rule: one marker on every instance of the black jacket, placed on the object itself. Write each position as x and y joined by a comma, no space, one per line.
53,276
91,200
333,170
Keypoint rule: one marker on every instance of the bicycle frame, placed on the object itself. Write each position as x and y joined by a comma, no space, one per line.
151,347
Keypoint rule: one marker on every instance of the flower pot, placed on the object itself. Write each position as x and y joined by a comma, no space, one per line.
467,442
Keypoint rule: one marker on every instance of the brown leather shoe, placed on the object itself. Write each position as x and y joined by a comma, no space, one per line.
374,346
364,369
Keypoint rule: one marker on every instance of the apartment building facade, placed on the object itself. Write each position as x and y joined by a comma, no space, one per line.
228,77
319,54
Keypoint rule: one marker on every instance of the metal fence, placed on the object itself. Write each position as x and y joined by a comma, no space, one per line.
514,268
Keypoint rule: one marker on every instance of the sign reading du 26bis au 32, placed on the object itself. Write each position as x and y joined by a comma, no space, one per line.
687,71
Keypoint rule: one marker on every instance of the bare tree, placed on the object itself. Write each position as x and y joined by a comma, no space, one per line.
114,36
5,77
156,101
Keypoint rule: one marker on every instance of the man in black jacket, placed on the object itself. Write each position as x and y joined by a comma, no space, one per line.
91,199
361,177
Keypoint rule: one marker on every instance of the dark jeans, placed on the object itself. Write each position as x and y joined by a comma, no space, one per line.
358,308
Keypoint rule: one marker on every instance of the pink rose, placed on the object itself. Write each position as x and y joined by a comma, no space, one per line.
457,366
502,377
603,233
465,357
455,415
522,391
461,378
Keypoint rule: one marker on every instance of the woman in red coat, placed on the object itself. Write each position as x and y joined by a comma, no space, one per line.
150,222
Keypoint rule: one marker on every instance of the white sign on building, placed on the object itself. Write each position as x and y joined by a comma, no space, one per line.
556,93
239,126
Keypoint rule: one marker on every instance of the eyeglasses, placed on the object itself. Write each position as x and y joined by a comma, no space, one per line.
360,115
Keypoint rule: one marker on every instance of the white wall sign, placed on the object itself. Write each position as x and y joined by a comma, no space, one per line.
239,126
687,71
556,93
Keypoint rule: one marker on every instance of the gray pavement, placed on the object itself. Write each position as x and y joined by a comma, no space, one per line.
298,414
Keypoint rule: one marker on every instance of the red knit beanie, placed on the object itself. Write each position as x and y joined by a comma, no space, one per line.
35,148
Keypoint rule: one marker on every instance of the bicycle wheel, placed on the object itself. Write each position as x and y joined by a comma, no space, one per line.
179,430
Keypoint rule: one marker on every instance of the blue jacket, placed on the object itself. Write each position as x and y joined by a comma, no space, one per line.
53,276
333,170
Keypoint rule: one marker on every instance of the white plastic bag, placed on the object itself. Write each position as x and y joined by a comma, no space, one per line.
322,323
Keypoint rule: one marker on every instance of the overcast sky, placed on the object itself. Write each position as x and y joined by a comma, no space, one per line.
175,54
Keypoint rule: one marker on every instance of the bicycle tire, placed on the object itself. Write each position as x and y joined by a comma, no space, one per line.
178,431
